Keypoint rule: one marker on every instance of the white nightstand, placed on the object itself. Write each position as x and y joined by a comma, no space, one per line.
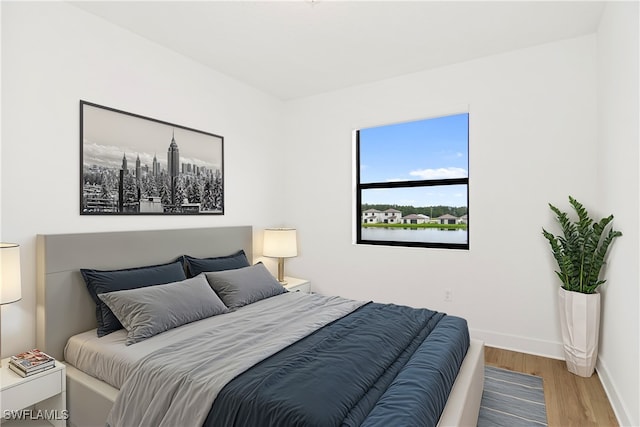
46,390
297,285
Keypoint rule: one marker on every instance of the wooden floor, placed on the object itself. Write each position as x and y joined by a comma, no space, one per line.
571,400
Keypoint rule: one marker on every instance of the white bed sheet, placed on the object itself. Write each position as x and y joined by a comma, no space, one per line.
110,360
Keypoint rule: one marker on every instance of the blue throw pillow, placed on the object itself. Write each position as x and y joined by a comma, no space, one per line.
104,281
195,266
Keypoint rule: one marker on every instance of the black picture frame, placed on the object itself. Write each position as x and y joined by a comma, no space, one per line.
136,165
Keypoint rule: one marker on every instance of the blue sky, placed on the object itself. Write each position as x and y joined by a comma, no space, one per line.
426,149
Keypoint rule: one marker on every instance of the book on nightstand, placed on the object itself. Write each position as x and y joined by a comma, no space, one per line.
31,362
24,374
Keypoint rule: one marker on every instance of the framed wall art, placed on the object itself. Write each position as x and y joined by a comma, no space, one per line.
136,165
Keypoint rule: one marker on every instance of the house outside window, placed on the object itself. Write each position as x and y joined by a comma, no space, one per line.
412,183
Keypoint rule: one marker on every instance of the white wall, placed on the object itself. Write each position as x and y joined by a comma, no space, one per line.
538,131
532,141
619,190
53,55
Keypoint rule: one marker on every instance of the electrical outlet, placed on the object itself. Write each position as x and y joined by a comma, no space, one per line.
448,295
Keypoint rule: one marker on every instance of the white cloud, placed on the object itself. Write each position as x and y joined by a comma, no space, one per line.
440,173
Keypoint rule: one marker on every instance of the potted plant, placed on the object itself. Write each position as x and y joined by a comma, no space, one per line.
580,253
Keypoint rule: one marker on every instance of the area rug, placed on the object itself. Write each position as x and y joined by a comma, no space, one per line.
511,399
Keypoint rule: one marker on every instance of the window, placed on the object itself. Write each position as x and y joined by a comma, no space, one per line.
412,183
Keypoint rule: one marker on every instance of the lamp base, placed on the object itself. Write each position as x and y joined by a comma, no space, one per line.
281,271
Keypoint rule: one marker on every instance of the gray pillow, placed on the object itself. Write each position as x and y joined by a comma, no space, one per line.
244,286
148,311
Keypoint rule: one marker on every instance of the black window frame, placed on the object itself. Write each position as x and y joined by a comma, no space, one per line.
407,184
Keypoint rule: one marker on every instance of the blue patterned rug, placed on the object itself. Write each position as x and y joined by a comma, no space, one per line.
511,399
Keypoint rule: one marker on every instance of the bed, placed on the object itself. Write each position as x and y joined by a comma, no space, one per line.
91,398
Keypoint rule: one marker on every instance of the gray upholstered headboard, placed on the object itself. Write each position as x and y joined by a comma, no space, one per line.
64,307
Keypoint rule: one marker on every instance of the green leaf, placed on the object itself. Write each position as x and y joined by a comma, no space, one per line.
581,250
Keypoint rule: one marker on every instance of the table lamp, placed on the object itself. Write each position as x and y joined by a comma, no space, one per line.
280,243
10,285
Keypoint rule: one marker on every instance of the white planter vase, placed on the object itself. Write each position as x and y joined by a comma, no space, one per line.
580,325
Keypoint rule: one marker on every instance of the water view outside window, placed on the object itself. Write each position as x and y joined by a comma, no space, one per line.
413,183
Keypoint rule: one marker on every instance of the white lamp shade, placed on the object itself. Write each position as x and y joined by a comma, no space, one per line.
280,243
10,285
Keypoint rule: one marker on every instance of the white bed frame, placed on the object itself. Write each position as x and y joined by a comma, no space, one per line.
64,307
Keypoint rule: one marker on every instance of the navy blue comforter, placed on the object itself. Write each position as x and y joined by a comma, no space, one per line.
381,365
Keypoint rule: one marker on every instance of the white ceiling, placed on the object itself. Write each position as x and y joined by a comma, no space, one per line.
293,49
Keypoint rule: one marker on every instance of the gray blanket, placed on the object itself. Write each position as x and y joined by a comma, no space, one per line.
178,384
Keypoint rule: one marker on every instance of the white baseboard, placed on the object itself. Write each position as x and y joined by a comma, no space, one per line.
522,344
617,404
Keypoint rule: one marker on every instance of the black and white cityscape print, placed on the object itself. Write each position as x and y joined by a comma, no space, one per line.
136,165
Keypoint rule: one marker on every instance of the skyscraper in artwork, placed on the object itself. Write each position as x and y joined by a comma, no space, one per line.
138,169
173,164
